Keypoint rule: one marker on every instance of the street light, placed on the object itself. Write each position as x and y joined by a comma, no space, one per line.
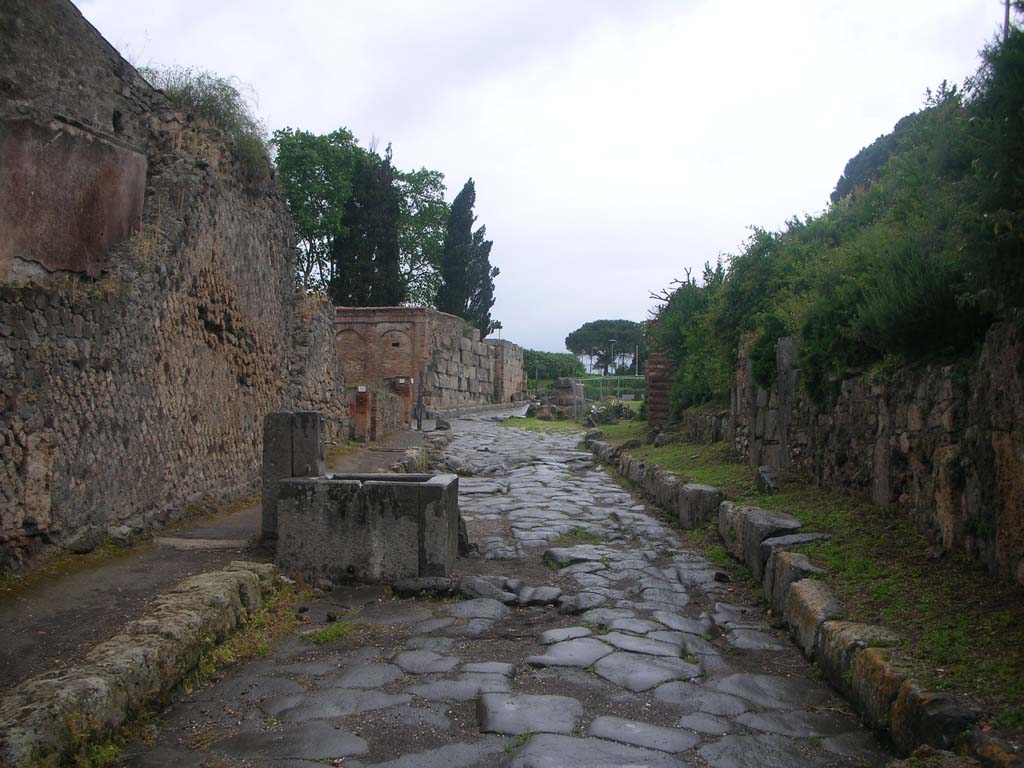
612,355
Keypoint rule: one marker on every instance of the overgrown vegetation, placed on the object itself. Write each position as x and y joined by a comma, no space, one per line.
920,251
541,366
331,633
539,425
224,103
966,627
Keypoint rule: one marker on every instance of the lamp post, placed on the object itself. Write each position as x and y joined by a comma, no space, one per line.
612,354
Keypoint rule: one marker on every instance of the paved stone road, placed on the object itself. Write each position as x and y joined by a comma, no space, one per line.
589,634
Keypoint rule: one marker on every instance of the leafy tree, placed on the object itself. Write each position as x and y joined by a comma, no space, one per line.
467,277
551,365
593,340
316,177
365,257
421,233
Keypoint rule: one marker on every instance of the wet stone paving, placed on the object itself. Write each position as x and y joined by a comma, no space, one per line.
585,631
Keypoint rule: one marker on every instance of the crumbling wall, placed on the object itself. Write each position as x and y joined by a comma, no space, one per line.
315,377
509,371
133,382
944,443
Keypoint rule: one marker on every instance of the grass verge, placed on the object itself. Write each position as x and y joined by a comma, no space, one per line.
539,425
964,625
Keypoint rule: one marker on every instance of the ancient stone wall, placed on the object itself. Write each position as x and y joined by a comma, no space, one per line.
509,372
389,347
944,443
134,380
316,380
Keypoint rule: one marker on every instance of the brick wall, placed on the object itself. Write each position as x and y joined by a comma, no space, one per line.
388,348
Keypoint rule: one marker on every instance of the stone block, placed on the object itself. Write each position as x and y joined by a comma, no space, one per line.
839,643
277,465
920,717
769,479
744,528
368,527
783,569
697,504
810,604
308,438
758,525
783,542
878,675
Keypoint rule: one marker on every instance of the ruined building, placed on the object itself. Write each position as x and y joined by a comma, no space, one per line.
148,319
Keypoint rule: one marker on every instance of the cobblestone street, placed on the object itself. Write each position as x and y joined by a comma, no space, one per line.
585,632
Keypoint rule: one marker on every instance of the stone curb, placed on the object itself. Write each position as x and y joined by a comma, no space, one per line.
46,716
858,660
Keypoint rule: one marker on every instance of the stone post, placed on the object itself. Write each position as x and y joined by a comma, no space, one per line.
293,446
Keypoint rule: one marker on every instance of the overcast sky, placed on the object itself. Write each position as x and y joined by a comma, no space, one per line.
613,142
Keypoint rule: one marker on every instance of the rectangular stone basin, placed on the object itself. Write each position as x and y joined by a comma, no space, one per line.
368,528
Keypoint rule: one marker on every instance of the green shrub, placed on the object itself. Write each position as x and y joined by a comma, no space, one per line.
219,101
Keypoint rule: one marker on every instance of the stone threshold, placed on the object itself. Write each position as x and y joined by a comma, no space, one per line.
860,661
45,718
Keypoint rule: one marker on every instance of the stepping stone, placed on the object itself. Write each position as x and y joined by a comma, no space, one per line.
480,608
489,668
488,750
641,645
332,703
547,750
567,633
316,740
422,662
677,599
763,751
367,676
570,555
695,698
477,586
755,640
570,605
435,644
462,689
581,652
682,624
773,691
634,626
432,625
605,616
588,567
515,714
642,734
805,725
640,673
703,723
538,595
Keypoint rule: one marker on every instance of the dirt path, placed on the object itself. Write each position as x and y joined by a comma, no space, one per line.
53,623
589,635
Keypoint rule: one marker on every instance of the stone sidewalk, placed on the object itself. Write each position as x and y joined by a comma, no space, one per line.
52,624
585,633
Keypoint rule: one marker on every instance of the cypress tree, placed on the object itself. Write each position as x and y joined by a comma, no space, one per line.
367,268
453,294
